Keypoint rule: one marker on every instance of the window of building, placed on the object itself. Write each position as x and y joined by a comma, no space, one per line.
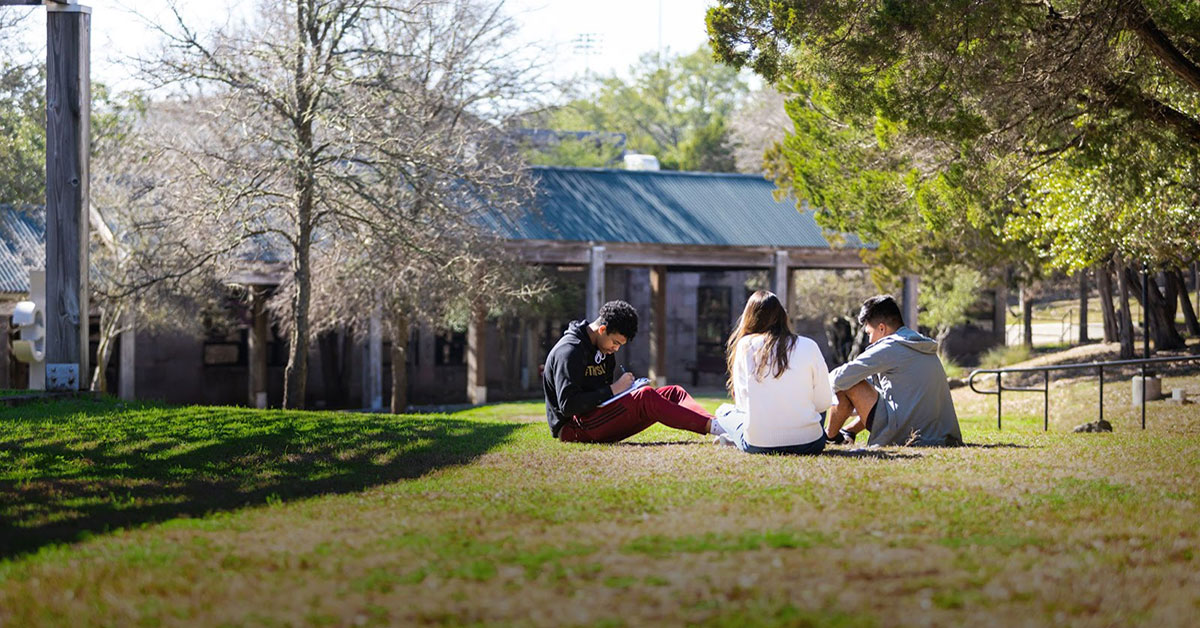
450,348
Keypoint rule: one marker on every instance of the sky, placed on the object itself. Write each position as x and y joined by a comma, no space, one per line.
619,31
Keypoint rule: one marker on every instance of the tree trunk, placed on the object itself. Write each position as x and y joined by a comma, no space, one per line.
295,378
1189,313
110,327
1170,296
1104,283
1027,318
1126,326
401,332
333,368
1162,329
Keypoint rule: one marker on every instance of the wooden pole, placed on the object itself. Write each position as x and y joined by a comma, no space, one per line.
375,358
908,302
595,283
779,278
533,354
658,326
68,143
1083,305
1000,315
477,355
258,347
126,388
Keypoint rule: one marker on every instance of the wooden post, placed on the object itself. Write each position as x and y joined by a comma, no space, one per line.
658,325
779,278
257,359
595,285
1083,305
1000,315
477,355
1026,317
374,368
126,389
68,142
533,355
908,305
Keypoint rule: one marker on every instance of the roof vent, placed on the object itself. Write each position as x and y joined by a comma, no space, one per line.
636,161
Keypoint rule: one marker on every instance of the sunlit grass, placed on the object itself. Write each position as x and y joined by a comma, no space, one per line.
146,515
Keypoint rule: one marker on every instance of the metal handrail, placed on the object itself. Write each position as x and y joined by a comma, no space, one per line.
1045,388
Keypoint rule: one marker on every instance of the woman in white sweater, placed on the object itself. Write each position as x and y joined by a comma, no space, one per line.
779,383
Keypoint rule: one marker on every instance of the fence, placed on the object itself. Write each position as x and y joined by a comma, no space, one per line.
1045,388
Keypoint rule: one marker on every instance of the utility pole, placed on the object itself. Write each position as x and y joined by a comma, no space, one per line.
68,147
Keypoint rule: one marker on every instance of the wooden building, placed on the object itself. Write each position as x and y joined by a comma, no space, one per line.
685,248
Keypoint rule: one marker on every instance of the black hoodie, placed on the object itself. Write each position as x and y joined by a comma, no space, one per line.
576,378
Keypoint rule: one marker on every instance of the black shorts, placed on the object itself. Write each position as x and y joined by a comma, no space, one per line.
870,416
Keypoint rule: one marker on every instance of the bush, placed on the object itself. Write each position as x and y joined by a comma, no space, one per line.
1000,357
953,369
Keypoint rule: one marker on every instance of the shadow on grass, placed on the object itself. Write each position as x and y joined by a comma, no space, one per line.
997,446
71,469
657,443
874,454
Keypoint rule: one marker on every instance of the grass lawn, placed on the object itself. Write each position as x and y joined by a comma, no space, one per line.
132,515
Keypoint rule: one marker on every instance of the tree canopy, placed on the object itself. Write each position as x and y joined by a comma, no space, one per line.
676,109
962,108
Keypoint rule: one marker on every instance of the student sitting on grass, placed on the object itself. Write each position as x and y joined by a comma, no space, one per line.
579,376
897,385
779,383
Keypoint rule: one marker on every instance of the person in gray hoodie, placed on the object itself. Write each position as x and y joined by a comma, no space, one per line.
897,386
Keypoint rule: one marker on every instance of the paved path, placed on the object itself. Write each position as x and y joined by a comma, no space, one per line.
1054,333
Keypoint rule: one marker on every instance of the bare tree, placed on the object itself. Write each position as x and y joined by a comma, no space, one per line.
324,120
758,126
148,265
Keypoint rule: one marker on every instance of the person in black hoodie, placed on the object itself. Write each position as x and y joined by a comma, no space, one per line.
579,376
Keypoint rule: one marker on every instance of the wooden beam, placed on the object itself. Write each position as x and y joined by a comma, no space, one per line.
683,255
658,325
68,118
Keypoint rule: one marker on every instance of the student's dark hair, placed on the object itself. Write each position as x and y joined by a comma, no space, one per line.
764,314
881,308
620,317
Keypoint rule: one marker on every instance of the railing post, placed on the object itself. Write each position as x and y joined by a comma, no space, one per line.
999,396
1046,406
1143,393
1101,371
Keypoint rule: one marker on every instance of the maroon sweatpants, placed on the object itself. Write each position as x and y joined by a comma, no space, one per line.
669,405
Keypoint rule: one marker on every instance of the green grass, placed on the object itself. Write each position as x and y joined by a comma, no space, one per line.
116,514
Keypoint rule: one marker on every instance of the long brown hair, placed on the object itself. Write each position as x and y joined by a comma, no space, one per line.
764,314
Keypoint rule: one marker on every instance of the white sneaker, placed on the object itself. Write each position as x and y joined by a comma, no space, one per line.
724,440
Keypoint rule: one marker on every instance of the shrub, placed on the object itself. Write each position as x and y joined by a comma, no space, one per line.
999,357
953,369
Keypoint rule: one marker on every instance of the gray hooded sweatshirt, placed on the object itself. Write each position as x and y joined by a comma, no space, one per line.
914,398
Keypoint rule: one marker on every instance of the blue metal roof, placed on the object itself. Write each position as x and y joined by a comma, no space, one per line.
663,207
22,246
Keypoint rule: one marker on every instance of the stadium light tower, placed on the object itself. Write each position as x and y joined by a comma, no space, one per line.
587,44
68,146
